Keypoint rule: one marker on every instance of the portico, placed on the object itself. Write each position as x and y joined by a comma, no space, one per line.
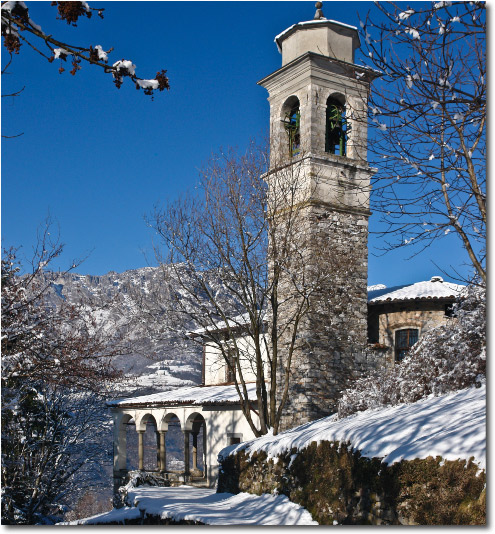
210,411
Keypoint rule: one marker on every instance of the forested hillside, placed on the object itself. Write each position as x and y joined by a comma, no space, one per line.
138,303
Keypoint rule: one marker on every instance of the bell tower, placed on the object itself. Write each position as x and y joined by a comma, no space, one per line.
318,122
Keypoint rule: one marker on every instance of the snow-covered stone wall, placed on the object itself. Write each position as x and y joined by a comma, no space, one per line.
420,463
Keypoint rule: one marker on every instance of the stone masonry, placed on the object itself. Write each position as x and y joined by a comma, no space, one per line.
333,335
333,207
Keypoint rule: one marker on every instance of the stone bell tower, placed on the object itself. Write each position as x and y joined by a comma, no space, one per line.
318,124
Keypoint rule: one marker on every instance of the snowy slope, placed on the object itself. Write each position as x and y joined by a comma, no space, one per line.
206,506
138,303
452,426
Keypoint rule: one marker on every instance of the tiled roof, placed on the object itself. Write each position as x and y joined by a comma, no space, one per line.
436,288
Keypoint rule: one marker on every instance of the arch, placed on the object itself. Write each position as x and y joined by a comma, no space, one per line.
168,418
194,422
171,428
291,120
125,440
337,127
142,421
125,419
148,442
195,464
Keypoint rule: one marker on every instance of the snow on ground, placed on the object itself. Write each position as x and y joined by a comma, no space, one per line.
198,395
206,506
452,426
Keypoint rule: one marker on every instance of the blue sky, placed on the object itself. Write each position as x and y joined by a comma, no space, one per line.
98,159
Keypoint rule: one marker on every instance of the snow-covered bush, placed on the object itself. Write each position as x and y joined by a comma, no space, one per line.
447,358
139,478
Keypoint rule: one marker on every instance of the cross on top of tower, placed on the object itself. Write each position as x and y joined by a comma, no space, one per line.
319,13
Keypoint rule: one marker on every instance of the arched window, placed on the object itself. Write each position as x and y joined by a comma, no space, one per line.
404,340
337,128
292,124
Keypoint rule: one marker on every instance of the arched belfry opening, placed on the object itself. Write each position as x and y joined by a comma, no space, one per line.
291,120
337,127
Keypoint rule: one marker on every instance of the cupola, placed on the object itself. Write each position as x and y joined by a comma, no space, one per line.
320,36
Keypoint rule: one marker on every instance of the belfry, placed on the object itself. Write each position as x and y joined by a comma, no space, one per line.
318,122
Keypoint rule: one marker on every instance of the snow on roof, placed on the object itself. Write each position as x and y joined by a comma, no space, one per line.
436,288
306,22
235,322
451,426
198,395
205,506
376,287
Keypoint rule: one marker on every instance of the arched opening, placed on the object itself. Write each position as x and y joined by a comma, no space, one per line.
150,444
195,445
336,127
130,443
174,444
291,120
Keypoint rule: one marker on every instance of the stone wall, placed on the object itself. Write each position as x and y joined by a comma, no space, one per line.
386,318
332,337
338,486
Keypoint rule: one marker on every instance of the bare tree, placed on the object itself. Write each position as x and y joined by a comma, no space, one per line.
240,249
429,109
56,366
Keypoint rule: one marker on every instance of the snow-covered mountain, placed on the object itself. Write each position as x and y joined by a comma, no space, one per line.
139,303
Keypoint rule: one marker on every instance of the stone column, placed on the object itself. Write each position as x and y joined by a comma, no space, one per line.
186,454
141,449
158,463
204,451
195,451
163,452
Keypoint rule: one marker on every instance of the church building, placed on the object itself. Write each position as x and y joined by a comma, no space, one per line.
318,120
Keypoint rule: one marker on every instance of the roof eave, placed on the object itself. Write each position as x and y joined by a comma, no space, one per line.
416,299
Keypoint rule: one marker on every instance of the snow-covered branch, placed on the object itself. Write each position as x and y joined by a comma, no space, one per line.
19,28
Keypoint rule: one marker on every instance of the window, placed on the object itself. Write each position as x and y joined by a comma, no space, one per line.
337,128
292,125
234,439
404,340
230,367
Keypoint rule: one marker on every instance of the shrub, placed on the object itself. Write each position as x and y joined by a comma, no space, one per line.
447,358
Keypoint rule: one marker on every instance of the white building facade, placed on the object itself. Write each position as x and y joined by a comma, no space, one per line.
211,413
